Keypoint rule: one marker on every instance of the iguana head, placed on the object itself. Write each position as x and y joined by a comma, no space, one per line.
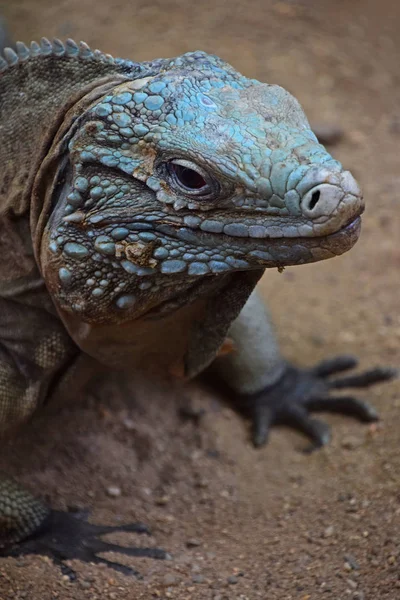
192,172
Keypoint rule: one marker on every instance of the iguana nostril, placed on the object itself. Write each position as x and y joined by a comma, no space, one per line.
322,200
314,199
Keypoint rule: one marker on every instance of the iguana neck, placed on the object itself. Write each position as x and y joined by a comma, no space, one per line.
38,86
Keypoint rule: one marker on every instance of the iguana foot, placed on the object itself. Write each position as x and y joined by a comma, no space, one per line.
301,391
64,536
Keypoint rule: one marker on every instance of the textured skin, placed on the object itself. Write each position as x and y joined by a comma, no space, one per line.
105,253
19,506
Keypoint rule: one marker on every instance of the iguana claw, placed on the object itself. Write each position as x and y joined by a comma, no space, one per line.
64,537
300,391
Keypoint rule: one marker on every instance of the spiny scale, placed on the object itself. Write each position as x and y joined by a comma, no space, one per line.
57,48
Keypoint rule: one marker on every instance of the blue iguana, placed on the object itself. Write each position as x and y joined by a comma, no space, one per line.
140,203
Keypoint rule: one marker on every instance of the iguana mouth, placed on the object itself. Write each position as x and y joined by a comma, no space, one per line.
181,232
351,223
348,233
174,226
351,227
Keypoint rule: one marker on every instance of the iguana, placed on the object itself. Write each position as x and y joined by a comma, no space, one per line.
140,203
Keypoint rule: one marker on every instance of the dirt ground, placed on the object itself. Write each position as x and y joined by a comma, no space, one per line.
242,523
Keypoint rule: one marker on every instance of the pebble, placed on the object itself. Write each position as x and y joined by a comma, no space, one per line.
347,337
193,543
198,579
328,133
375,563
203,483
170,579
351,442
113,491
394,126
129,424
351,562
329,531
232,580
162,500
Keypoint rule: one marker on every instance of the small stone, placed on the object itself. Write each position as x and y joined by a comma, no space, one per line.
114,491
84,584
328,133
162,500
351,561
129,424
347,337
193,543
21,563
329,531
394,126
170,579
375,562
201,483
198,579
356,136
351,442
232,580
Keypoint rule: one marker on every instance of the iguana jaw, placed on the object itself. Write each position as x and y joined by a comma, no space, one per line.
330,246
142,282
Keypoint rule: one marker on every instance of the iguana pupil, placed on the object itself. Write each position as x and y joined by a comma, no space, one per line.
188,178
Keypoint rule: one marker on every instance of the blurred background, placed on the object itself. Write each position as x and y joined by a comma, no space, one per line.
341,59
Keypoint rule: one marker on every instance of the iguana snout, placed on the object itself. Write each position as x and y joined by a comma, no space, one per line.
335,202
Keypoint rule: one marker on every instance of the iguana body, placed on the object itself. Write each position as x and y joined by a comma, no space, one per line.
139,206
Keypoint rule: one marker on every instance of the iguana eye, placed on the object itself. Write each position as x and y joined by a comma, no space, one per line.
190,178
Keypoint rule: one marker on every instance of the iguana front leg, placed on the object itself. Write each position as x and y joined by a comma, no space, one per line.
272,391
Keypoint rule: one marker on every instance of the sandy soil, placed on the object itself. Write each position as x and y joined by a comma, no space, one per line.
240,523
